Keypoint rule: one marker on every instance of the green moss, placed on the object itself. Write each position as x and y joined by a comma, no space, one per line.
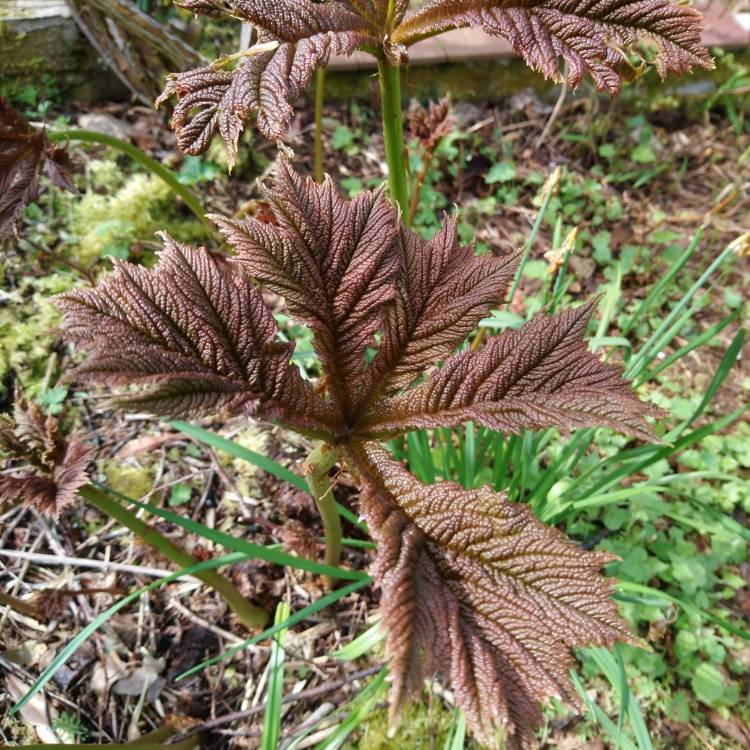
244,474
124,212
28,328
421,727
135,481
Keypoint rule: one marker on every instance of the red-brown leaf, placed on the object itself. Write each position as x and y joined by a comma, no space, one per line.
476,589
540,375
333,260
24,153
197,334
583,34
442,291
52,469
265,84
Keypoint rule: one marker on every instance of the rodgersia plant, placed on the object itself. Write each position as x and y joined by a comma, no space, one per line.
475,589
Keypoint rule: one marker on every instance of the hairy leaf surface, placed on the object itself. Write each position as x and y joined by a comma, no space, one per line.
333,260
197,334
477,589
584,34
53,468
24,153
540,375
442,291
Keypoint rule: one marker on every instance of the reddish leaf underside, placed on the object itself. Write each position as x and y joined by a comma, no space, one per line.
478,590
54,468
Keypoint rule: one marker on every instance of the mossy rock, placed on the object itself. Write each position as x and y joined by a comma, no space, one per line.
45,55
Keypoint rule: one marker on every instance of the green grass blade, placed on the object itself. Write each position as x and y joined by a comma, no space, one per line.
240,451
457,735
639,588
269,554
656,453
75,643
299,616
608,312
656,341
550,188
602,719
657,291
362,705
722,371
272,717
693,344
614,670
362,644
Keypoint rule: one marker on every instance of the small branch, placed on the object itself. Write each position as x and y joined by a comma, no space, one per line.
553,116
316,468
23,607
327,687
252,617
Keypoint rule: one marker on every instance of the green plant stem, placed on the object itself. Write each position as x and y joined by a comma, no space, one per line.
138,156
316,468
393,134
320,87
252,617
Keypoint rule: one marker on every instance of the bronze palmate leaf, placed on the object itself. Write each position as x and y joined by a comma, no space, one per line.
48,468
591,37
476,588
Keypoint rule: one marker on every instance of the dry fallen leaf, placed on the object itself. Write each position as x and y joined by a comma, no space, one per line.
37,713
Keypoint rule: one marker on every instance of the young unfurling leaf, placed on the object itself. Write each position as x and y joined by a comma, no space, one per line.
52,467
590,38
24,153
476,589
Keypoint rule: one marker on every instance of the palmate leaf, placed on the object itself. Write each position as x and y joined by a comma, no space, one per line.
52,467
587,35
264,84
477,589
591,37
24,153
195,332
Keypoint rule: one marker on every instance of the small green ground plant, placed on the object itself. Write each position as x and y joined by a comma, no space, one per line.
477,588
